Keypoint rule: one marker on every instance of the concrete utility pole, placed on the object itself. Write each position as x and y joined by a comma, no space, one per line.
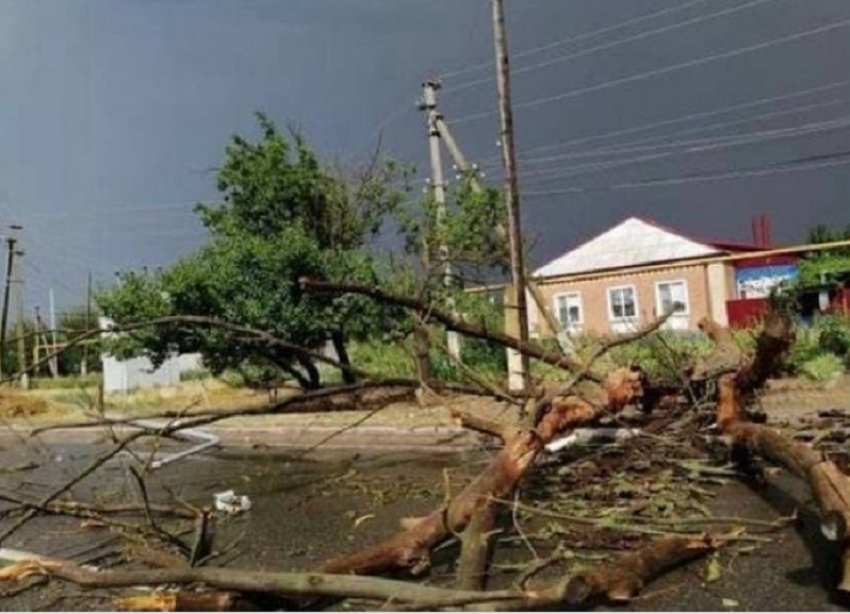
503,83
54,362
84,365
4,318
438,185
457,155
44,343
36,346
464,166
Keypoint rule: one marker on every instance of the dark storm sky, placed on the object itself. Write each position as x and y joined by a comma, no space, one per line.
113,111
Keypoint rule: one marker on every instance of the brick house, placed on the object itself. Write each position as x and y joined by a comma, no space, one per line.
626,276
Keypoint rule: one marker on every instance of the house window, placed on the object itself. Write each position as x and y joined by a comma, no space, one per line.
568,309
622,303
670,292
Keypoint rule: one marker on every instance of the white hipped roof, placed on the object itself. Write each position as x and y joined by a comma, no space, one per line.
630,243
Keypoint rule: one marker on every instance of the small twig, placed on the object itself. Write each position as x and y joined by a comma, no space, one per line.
200,543
515,518
560,555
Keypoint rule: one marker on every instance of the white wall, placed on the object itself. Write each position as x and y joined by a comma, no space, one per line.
126,375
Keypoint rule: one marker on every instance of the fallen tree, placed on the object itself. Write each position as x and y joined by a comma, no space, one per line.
473,513
829,485
614,583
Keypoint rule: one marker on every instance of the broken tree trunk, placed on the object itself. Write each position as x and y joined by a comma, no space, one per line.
830,487
410,549
617,582
476,545
614,582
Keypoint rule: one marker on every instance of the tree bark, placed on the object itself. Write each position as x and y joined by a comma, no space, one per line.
291,370
455,323
617,582
338,340
315,378
410,549
611,582
422,350
476,546
830,487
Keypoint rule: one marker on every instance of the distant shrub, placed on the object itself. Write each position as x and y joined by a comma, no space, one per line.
391,359
823,367
194,375
821,350
834,335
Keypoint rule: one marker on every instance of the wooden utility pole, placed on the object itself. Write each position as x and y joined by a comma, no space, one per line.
503,83
4,318
438,186
19,319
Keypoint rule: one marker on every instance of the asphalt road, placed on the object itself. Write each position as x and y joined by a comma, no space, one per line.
307,509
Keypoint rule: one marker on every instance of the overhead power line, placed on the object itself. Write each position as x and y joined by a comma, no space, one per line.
666,69
801,164
699,146
577,37
583,169
686,118
121,210
614,44
659,142
708,143
716,126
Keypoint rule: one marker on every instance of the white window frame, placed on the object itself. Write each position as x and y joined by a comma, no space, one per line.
566,325
611,316
658,284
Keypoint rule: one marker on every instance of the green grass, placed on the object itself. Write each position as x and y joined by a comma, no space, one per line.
68,382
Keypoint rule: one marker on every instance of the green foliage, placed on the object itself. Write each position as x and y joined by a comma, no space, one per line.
271,184
469,229
392,359
825,265
822,367
835,335
828,264
824,234
822,350
73,323
665,355
285,216
196,375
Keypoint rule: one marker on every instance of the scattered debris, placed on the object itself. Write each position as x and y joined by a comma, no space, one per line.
229,503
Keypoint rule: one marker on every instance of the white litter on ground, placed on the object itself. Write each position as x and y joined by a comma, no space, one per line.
585,437
231,503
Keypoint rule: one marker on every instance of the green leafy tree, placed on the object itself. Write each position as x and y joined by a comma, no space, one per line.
824,234
476,248
828,265
284,216
472,231
72,323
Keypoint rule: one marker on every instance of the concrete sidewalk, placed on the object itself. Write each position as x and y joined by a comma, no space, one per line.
435,438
